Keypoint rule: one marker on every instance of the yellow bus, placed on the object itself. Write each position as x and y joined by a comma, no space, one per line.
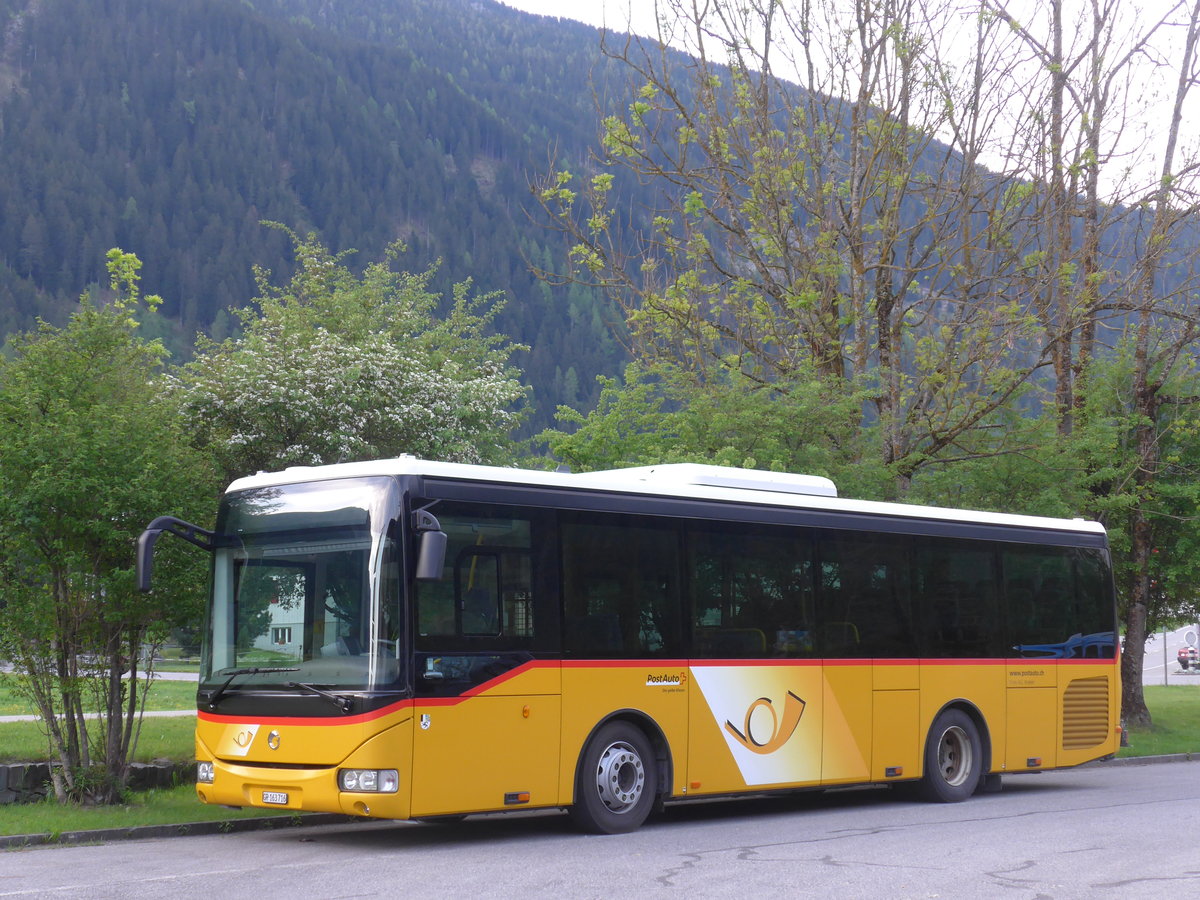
418,640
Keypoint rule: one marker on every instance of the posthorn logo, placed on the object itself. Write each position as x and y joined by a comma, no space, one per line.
759,739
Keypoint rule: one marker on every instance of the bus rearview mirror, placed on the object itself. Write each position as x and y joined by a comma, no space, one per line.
431,556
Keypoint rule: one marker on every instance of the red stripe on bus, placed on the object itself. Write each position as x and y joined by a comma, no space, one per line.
791,663
359,719
622,663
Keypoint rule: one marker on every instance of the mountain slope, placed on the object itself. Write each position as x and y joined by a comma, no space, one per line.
172,127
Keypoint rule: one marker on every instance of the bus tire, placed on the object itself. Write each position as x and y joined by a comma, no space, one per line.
617,780
953,758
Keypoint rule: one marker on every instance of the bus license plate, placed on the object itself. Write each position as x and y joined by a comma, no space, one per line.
276,797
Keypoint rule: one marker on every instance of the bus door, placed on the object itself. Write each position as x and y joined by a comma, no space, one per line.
493,746
865,636
487,711
1046,628
759,699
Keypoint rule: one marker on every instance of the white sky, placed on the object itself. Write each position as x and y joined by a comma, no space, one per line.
614,14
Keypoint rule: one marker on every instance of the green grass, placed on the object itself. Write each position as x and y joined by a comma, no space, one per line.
165,806
170,738
163,695
1175,712
161,738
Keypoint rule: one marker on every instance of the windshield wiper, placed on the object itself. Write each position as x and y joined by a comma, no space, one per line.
345,704
237,673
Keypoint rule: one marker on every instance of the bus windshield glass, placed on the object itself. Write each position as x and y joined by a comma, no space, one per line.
305,587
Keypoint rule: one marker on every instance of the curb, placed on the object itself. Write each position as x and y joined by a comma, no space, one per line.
145,832
1144,760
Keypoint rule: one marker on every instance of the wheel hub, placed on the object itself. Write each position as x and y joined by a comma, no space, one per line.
954,756
620,777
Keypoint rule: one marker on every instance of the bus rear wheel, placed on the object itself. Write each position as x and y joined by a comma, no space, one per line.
617,781
953,758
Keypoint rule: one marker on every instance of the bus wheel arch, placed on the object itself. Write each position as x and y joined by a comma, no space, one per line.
956,755
623,771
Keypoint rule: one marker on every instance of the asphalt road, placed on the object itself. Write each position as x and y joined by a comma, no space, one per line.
1115,831
1163,668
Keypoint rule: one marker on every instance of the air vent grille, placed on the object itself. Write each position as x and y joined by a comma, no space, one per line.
1086,713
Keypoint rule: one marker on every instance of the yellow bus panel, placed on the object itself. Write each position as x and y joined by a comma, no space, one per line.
650,691
895,736
726,727
485,752
756,726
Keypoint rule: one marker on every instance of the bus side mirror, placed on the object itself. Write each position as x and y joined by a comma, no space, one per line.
193,534
431,548
145,557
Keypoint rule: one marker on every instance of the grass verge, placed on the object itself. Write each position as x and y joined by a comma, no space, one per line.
1175,711
165,806
170,738
163,695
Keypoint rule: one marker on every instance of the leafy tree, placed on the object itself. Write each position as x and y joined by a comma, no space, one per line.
1142,480
819,231
1162,337
334,367
658,414
88,454
1107,438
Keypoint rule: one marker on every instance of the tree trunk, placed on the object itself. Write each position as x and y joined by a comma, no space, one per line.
1134,711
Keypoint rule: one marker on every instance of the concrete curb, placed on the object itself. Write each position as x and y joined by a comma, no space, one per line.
146,832
301,820
1144,760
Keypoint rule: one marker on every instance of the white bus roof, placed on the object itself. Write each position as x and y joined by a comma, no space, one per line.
681,480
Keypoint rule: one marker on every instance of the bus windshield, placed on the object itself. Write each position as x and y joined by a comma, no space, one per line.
305,587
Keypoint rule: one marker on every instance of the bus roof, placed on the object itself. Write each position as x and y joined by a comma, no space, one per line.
679,480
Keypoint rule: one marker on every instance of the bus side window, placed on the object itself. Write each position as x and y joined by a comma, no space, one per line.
751,592
1095,599
865,599
486,596
620,588
1041,593
1059,601
955,588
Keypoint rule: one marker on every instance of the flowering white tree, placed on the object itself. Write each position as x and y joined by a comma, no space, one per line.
335,367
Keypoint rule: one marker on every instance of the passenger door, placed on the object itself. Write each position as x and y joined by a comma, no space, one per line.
487,703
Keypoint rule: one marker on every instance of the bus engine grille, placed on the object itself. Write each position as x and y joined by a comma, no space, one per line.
1085,713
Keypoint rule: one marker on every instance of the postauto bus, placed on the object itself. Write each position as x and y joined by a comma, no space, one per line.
416,640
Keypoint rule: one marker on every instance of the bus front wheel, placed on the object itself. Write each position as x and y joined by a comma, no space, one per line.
953,758
617,781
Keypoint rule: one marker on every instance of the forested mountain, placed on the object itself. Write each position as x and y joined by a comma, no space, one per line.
171,128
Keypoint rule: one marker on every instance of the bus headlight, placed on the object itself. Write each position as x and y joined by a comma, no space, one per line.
370,781
204,773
